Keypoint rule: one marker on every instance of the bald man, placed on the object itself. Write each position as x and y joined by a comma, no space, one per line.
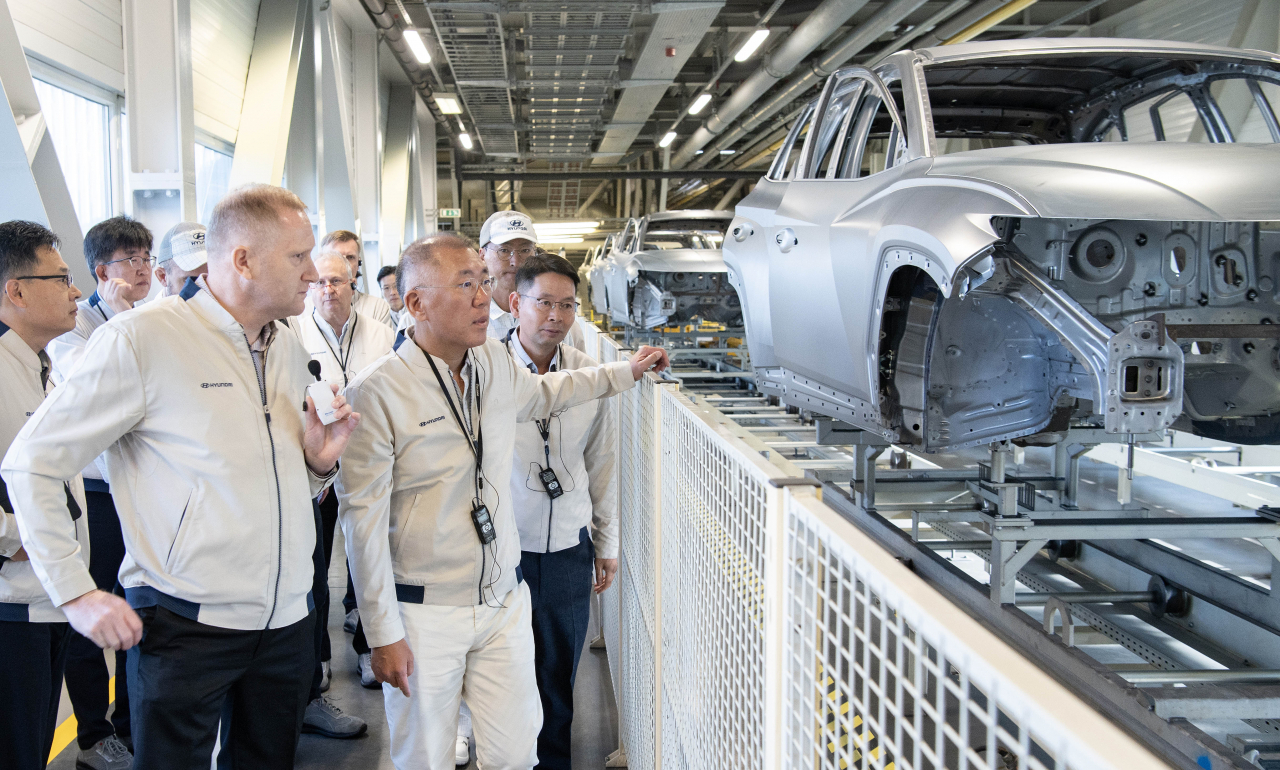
213,456
428,518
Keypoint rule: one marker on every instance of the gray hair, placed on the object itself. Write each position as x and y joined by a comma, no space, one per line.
329,255
421,255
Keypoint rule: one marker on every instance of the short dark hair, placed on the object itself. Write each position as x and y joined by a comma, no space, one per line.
386,271
18,243
423,251
540,264
109,235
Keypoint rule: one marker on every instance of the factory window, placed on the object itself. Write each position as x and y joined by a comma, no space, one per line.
213,175
81,133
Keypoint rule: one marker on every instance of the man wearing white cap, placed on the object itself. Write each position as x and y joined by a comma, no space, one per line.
507,239
181,256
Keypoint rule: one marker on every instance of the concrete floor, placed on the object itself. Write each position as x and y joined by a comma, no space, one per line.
595,727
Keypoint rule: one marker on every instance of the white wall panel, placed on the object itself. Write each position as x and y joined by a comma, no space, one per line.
221,44
83,36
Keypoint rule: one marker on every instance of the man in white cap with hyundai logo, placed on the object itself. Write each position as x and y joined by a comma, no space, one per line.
181,256
507,239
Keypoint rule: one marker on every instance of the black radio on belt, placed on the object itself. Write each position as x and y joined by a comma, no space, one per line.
551,483
483,522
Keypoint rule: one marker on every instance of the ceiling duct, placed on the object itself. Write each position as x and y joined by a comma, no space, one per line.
386,24
854,43
828,16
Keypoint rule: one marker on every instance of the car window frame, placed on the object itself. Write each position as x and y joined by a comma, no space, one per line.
779,165
873,87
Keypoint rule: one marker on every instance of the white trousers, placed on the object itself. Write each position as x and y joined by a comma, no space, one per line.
484,653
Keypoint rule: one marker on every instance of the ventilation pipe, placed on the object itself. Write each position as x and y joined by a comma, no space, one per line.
386,24
949,30
789,53
889,15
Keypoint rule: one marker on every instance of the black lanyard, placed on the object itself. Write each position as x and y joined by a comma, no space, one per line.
342,360
476,443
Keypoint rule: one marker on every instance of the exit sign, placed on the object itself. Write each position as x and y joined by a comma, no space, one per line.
450,213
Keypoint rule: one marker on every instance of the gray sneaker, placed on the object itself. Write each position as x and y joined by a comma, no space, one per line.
324,676
324,718
106,754
352,620
366,672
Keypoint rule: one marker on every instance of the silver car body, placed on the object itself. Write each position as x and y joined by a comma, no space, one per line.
948,300
649,279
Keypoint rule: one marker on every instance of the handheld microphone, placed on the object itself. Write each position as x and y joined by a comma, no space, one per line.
321,394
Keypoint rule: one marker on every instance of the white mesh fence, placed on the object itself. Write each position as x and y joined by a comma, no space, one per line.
753,627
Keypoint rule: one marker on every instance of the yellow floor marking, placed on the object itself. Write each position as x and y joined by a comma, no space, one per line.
66,732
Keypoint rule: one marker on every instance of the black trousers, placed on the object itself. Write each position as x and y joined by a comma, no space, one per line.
184,672
560,587
32,657
326,517
87,675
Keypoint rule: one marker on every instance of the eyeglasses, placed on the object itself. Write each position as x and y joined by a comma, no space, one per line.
134,262
64,278
324,282
545,305
485,285
506,253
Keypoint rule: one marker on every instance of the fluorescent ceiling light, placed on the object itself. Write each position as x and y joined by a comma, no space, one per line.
448,104
727,152
566,225
465,138
751,45
699,104
414,39
561,239
668,139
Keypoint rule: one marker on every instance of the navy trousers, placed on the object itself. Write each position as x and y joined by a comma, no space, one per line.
87,675
32,657
560,587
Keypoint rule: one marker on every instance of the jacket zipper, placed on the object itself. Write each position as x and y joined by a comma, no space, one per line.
260,372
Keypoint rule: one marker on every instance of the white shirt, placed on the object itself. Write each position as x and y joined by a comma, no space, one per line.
373,307
67,350
581,443
22,597
407,482
342,356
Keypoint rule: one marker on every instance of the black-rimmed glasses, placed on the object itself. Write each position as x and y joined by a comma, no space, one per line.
65,278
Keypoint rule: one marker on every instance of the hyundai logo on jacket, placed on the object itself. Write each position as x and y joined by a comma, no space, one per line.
213,492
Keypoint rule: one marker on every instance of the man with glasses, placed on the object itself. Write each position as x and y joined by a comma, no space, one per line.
507,239
118,251
344,342
37,303
212,449
387,282
181,256
428,517
347,244
568,536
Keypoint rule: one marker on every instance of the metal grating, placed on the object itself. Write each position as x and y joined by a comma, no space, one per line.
563,196
713,602
571,65
473,44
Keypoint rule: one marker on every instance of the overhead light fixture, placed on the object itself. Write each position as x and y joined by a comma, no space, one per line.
727,152
751,45
448,104
561,239
668,139
419,48
699,103
465,138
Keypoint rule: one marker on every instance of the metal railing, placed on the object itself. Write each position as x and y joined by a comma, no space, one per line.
752,626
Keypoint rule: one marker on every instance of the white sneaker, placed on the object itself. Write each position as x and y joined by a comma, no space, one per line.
462,751
366,672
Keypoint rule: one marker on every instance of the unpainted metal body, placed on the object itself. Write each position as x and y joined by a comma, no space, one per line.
653,287
1058,274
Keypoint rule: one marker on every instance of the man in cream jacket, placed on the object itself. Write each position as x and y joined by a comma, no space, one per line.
213,456
37,303
429,523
